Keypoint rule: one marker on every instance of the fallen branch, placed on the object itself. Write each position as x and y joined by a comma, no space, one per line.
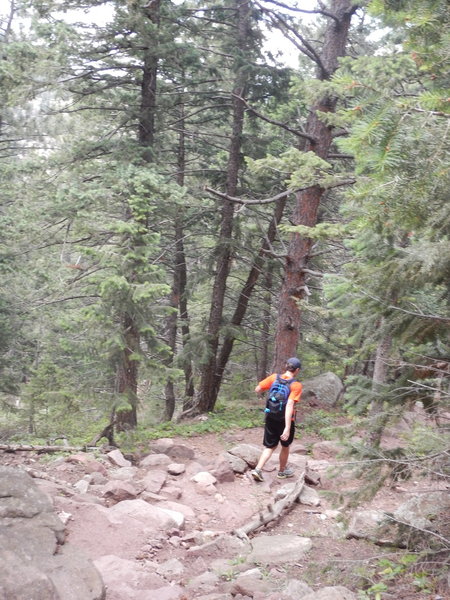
273,511
32,448
64,485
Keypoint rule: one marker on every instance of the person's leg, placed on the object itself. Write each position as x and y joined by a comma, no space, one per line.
284,456
270,442
265,455
285,448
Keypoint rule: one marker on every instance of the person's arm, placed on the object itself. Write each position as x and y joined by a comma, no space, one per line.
265,384
288,419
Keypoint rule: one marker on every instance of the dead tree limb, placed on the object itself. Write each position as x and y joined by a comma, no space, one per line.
32,448
273,511
64,485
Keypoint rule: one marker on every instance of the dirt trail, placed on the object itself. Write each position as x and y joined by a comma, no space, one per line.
333,558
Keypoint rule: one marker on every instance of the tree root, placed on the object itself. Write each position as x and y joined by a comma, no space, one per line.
273,511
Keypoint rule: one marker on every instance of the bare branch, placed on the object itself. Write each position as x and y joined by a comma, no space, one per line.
304,46
313,273
250,202
277,123
66,299
445,541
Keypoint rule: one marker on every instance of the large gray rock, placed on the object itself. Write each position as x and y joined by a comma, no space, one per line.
337,592
247,452
411,524
35,562
366,525
278,549
125,578
167,446
326,388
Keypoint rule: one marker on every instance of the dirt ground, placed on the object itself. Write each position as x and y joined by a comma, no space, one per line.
333,559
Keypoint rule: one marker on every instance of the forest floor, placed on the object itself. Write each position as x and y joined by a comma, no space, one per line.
333,559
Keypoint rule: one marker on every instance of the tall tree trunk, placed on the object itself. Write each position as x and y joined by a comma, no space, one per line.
146,128
126,374
127,366
210,373
263,362
246,292
178,296
308,201
180,259
379,380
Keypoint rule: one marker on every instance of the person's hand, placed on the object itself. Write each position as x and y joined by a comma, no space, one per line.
284,436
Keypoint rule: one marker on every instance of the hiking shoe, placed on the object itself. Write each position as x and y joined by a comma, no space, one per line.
257,475
285,474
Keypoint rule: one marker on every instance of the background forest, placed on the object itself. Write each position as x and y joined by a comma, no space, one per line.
191,192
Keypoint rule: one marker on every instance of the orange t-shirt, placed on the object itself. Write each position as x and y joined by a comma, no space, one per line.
296,386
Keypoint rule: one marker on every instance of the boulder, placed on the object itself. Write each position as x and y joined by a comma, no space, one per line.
90,465
250,582
175,451
176,469
247,452
237,464
117,458
124,578
337,592
154,481
35,561
279,549
223,471
295,589
365,524
407,526
155,460
117,491
326,388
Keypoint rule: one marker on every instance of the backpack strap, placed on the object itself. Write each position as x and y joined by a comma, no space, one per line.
285,381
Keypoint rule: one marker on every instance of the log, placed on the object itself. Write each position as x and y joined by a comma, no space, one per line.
273,510
64,485
32,448
107,432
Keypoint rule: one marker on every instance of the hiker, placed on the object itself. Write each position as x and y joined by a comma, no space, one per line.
284,393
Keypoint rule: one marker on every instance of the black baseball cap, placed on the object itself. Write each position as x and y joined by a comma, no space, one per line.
294,363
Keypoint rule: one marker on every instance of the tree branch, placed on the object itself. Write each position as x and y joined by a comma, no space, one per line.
250,202
273,510
305,47
277,123
322,10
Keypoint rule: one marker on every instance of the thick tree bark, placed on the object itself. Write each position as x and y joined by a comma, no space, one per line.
183,307
308,201
180,260
127,373
210,371
263,362
171,338
146,129
245,294
127,367
179,289
379,380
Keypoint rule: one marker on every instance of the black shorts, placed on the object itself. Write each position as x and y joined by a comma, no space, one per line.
272,432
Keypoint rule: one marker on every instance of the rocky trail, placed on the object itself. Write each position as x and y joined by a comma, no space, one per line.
162,525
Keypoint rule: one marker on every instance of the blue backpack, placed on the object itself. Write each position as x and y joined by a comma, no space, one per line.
277,398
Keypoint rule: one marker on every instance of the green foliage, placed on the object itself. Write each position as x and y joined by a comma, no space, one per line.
320,232
389,574
294,168
224,418
315,421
